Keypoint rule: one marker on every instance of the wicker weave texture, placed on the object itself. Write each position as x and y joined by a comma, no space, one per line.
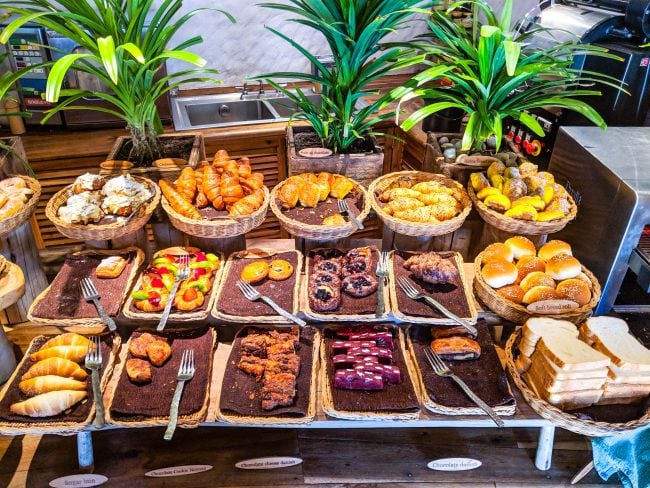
11,223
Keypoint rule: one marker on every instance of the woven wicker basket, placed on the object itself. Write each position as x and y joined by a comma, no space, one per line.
220,228
101,231
16,220
518,226
555,415
318,232
405,227
518,313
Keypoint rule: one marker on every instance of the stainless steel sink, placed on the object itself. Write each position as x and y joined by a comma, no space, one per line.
225,113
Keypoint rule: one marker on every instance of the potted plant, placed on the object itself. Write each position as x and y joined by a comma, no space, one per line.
123,44
490,72
353,30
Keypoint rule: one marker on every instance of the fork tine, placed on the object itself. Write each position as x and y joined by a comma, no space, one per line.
98,349
409,286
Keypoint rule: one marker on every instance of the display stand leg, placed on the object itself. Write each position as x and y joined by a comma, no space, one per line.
544,452
85,453
227,245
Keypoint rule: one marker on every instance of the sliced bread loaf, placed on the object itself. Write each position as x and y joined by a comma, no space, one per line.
565,400
555,385
570,354
538,327
611,336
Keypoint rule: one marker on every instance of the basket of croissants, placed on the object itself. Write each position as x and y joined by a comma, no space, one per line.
307,205
18,199
218,200
95,207
416,203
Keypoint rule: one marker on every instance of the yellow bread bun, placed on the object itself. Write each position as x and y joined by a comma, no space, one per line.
538,293
536,278
529,264
499,273
500,203
562,267
574,289
549,215
551,248
497,250
522,212
521,246
514,293
534,201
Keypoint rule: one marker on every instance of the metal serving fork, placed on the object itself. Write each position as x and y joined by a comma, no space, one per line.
441,369
382,273
252,294
182,274
186,372
345,208
89,292
94,364
413,294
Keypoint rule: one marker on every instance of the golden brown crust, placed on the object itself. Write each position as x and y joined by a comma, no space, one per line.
255,272
159,352
574,289
111,267
138,345
280,269
138,370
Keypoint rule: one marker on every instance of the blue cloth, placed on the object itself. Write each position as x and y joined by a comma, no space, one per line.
627,455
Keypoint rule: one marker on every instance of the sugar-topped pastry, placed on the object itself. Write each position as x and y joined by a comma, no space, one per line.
126,186
87,182
82,213
118,205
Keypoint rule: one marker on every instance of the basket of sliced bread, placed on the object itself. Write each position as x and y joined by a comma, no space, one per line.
18,199
593,380
516,281
417,203
521,199
95,207
320,206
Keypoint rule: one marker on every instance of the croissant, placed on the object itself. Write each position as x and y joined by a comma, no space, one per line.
251,184
212,187
55,366
43,384
248,204
422,214
402,203
308,177
231,189
67,339
201,201
48,404
394,193
324,182
341,186
177,202
309,194
244,168
258,177
289,192
73,353
221,158
186,184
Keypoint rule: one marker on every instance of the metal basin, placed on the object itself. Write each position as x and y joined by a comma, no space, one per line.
285,107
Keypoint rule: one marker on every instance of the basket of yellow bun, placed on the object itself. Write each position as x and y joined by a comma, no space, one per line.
221,199
416,203
517,281
308,205
521,199
18,199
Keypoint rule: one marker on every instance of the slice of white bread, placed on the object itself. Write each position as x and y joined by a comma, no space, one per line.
611,336
538,327
618,375
557,373
552,384
620,401
565,400
571,354
626,389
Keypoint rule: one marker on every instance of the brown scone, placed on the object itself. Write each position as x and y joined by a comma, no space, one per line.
158,352
138,345
138,370
456,348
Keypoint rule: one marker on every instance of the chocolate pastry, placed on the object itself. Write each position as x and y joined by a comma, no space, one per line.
456,348
324,298
138,370
325,278
328,266
430,267
359,285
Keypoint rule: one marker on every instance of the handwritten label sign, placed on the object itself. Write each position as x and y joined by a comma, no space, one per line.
552,307
454,464
78,481
274,462
315,152
178,470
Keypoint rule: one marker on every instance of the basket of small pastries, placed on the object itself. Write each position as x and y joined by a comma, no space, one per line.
99,208
18,199
417,203
195,295
516,281
221,199
521,199
307,205
50,390
593,379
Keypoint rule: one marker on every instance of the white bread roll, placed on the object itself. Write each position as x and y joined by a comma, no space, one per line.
499,273
553,248
521,246
563,267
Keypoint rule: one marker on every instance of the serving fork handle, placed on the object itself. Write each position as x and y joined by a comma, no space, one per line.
99,420
354,218
283,312
168,306
480,403
173,410
435,303
105,317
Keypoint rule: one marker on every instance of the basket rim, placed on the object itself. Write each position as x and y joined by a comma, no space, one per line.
520,309
451,224
14,221
345,229
557,416
513,225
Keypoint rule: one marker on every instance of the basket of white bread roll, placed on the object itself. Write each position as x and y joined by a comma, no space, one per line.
517,281
18,199
593,380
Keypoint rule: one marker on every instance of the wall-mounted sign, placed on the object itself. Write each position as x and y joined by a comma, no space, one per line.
274,462
178,470
454,464
78,481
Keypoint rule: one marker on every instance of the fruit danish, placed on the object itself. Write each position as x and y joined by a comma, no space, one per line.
359,285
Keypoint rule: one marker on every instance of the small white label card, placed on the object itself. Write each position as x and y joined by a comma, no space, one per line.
315,152
273,462
178,470
79,481
552,306
454,464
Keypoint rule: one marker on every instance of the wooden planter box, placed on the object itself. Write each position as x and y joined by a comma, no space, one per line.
10,163
363,168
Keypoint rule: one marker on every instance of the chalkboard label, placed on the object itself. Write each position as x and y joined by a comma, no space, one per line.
268,462
178,470
552,307
78,481
454,464
315,152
